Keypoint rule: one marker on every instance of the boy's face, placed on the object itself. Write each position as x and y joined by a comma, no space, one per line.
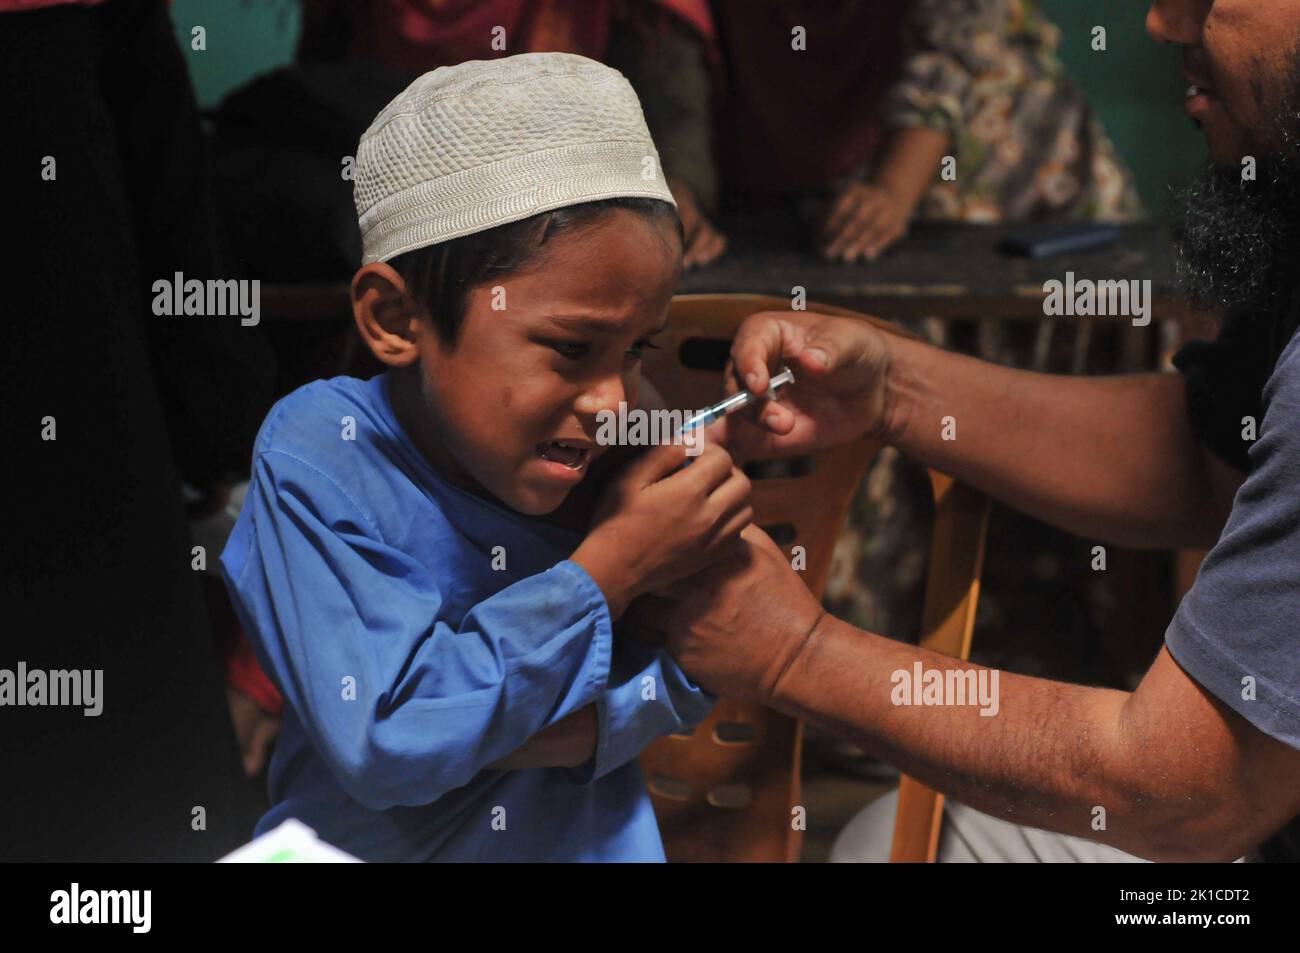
512,409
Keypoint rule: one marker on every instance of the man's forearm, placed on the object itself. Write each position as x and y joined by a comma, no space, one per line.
1108,458
1048,754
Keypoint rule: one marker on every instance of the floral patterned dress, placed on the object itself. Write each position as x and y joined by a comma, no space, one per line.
1028,145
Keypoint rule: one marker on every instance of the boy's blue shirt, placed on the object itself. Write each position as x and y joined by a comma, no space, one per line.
408,663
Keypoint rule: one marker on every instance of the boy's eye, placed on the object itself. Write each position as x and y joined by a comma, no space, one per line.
637,350
570,349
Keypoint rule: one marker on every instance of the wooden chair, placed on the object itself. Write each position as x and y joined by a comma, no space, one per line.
730,790
952,588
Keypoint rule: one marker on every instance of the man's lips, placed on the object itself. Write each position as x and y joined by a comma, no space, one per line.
1197,100
1196,84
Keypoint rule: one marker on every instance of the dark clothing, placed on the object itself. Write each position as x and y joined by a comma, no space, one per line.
1235,631
97,571
1225,380
278,148
794,120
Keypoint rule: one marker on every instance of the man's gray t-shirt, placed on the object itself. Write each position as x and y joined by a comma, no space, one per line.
1237,632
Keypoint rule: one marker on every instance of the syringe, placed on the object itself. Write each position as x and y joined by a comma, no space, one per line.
736,401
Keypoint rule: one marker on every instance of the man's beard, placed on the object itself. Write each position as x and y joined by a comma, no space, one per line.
1239,244
1239,247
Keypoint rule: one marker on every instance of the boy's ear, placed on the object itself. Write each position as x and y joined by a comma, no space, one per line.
386,314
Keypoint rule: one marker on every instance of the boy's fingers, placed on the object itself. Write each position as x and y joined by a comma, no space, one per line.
731,530
737,513
732,494
653,466
708,470
715,434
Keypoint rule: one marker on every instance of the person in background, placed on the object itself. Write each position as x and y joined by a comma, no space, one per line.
981,82
663,47
856,104
114,406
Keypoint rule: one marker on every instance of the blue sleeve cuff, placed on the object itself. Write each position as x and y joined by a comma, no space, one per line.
649,697
603,644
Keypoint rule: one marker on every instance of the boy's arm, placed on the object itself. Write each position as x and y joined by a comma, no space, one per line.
653,699
629,719
400,707
648,696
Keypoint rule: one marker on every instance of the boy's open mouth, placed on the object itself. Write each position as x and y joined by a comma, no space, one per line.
570,455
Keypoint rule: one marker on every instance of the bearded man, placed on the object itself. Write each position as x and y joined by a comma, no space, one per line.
1202,760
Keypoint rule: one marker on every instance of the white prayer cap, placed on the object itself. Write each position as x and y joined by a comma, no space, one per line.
472,146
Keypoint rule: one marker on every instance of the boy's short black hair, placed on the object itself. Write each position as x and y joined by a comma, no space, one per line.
441,276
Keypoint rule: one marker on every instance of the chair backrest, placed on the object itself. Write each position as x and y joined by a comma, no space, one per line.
961,519
730,790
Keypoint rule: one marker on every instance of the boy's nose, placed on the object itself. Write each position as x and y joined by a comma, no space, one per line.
605,394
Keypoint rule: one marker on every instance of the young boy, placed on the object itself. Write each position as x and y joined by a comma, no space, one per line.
410,562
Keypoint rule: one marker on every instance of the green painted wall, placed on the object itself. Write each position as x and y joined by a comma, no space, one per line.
244,38
1134,84
1136,89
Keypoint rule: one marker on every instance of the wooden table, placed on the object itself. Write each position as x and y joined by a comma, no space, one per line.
946,271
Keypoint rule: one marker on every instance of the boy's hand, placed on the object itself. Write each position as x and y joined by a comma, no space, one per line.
654,526
840,367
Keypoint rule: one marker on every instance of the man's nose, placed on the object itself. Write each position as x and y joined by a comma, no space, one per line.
1178,21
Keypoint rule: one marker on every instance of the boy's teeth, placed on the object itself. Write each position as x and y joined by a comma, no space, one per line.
571,457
